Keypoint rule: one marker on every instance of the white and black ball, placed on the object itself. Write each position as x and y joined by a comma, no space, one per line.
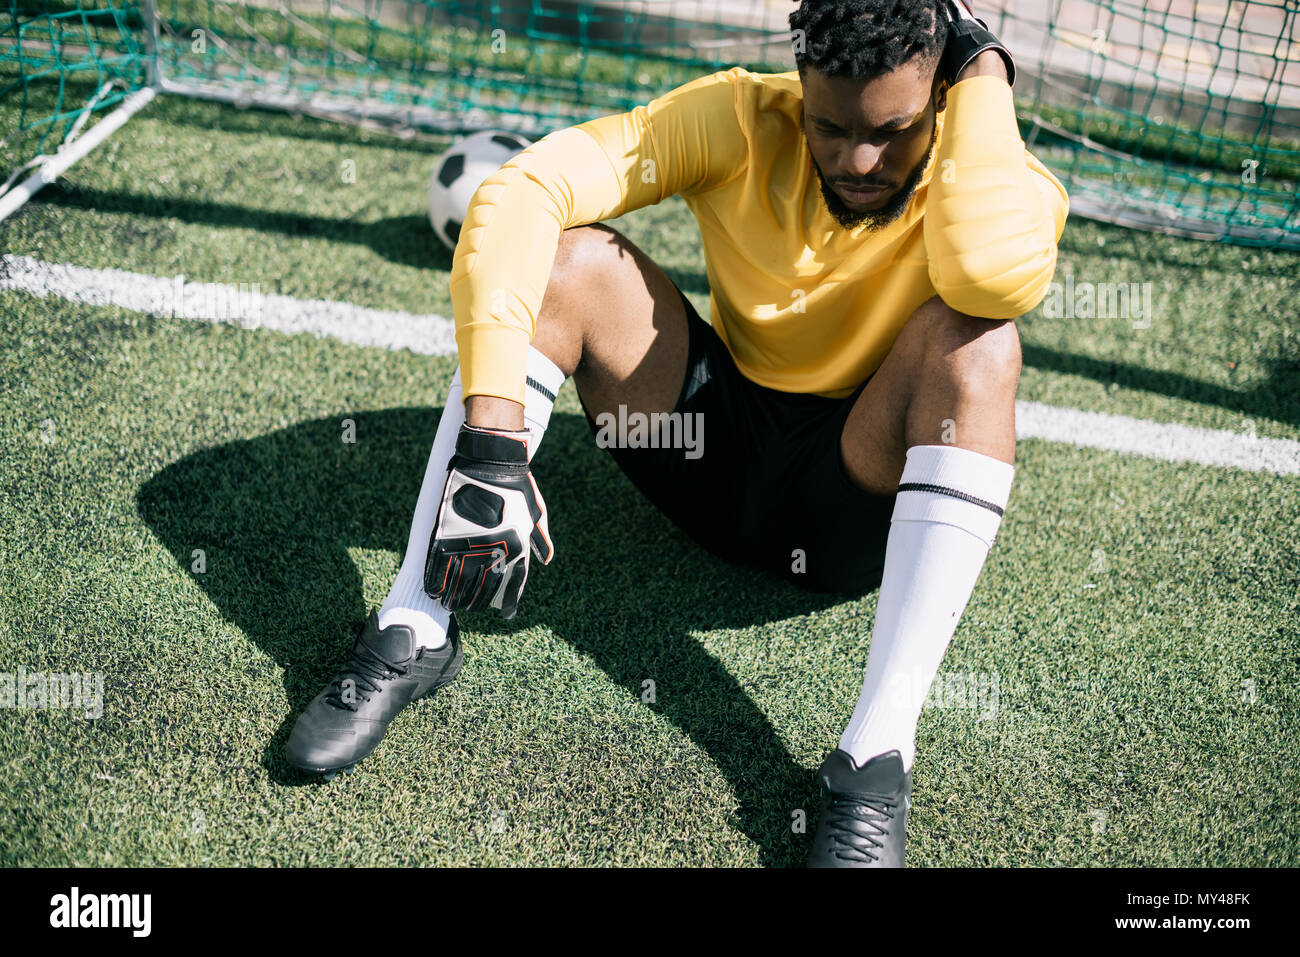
461,171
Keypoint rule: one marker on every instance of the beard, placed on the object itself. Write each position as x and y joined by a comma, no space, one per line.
874,218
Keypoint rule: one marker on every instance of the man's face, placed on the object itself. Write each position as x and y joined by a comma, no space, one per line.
871,141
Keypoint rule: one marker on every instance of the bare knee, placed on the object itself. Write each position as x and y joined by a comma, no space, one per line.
983,352
578,274
583,251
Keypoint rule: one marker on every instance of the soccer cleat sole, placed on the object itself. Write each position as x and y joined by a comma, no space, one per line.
325,774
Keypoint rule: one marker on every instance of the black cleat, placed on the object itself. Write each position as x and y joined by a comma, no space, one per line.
864,812
383,674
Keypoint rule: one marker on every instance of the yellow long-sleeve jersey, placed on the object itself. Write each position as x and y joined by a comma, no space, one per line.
803,304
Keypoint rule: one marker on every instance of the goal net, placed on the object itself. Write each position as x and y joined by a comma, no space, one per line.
1180,116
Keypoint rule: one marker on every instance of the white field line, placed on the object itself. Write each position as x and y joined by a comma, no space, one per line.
1157,440
244,305
435,335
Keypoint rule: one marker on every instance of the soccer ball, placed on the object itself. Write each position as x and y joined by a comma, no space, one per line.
461,171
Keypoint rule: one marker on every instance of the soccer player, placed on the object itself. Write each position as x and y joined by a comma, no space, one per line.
872,225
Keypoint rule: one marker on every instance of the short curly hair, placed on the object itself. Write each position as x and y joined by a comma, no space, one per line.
864,39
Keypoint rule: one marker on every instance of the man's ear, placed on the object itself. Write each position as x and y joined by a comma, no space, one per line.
940,94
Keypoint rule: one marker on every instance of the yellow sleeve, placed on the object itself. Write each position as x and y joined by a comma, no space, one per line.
688,140
994,213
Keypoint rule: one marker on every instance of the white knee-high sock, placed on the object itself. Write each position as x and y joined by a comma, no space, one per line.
949,507
407,603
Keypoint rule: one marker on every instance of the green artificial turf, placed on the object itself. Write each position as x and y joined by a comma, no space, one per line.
1138,617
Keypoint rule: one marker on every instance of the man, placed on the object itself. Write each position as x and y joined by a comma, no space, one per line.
872,224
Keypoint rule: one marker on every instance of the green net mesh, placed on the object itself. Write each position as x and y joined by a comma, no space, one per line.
59,64
1178,115
1173,115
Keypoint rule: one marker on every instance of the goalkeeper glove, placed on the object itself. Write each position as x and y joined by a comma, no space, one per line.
967,39
490,518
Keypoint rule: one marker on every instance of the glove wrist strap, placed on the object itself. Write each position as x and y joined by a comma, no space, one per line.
500,446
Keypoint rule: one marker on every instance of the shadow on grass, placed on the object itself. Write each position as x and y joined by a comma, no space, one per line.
1128,254
1137,250
405,240
276,515
1277,397
271,121
408,240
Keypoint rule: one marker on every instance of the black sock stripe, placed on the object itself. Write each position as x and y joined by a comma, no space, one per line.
944,490
540,388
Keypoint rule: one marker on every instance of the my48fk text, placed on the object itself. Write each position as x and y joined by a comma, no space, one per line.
1163,900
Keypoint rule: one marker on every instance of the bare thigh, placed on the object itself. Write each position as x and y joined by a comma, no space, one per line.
613,321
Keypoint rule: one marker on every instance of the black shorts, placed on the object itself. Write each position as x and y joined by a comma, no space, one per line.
769,490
